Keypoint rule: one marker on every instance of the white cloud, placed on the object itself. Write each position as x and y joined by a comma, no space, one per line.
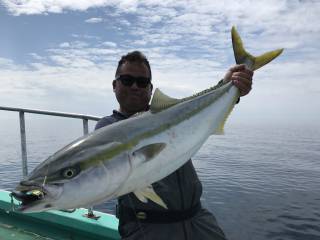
94,20
36,56
194,18
64,45
18,7
187,42
124,22
109,44
74,44
46,83
6,63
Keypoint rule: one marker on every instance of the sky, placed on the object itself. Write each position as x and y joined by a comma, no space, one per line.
61,55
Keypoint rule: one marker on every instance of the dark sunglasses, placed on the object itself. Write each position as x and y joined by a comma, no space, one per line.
128,80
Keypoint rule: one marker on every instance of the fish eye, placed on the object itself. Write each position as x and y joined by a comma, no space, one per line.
69,172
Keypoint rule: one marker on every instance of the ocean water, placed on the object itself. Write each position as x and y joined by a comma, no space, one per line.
260,182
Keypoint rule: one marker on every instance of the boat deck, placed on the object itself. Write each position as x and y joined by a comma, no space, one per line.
56,225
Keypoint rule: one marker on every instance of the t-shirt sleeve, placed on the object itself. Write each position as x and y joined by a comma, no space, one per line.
105,122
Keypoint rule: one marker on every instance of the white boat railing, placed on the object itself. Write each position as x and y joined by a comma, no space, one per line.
22,111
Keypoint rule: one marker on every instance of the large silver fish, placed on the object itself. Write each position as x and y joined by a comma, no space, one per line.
130,155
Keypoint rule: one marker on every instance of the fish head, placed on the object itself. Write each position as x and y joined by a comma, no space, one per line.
71,179
45,185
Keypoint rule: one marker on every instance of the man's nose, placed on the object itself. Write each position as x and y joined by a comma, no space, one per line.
134,86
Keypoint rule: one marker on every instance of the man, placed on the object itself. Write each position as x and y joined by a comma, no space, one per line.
181,190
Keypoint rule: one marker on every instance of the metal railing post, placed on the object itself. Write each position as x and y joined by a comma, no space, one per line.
90,213
85,126
23,144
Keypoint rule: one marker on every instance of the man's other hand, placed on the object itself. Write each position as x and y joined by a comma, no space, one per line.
241,77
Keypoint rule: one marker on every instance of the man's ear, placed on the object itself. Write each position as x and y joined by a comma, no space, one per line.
114,85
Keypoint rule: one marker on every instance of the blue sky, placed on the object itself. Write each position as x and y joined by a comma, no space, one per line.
61,55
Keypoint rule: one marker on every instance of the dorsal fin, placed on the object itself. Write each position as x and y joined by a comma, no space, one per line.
161,101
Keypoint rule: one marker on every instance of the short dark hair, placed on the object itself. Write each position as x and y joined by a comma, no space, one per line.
134,57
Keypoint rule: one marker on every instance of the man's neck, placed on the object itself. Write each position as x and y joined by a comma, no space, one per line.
125,112
130,113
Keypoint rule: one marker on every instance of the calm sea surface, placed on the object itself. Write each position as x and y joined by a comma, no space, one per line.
260,182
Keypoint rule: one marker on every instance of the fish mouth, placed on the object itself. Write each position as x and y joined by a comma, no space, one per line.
31,194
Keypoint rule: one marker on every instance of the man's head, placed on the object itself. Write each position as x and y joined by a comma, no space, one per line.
132,84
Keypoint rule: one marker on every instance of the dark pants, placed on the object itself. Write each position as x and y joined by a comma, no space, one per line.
203,226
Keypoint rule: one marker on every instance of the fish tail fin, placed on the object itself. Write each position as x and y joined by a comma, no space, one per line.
243,57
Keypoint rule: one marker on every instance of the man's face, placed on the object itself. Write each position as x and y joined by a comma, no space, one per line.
133,99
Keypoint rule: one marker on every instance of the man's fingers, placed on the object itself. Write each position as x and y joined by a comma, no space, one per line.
247,71
245,81
244,90
241,77
241,68
238,67
243,74
244,85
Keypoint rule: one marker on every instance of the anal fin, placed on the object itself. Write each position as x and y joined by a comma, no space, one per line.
148,193
220,129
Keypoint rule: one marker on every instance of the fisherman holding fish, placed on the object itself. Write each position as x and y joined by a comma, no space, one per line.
147,156
185,218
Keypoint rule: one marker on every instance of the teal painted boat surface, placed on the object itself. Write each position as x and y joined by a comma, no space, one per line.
56,225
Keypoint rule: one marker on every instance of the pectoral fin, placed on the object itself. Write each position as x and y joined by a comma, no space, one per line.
146,153
148,193
150,151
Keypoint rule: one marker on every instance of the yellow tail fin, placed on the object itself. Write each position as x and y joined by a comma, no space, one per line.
243,57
